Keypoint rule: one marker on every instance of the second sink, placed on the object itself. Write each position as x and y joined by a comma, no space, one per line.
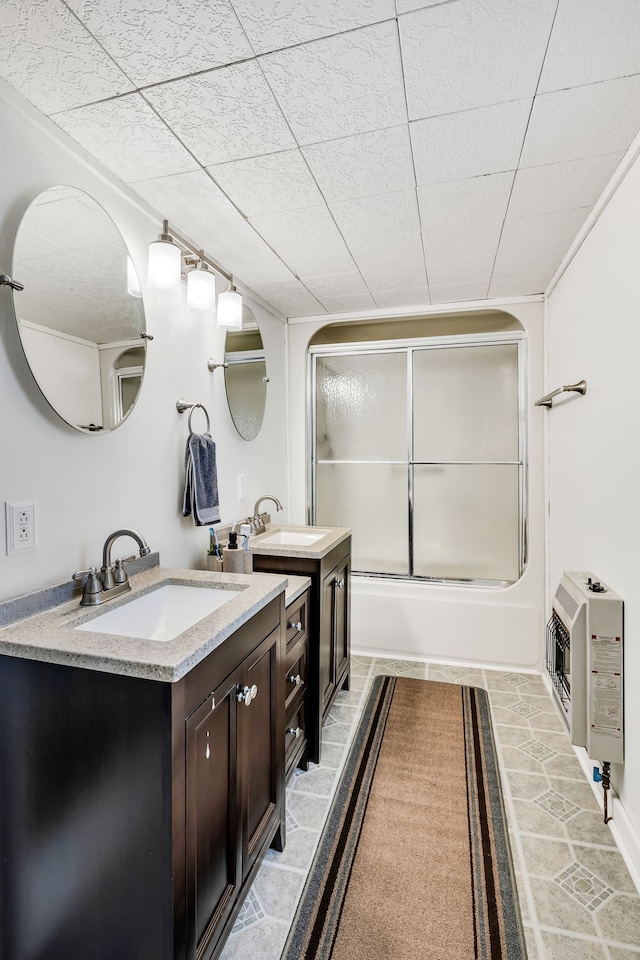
294,538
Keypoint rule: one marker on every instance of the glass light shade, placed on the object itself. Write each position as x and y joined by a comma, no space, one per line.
230,310
201,289
133,284
164,266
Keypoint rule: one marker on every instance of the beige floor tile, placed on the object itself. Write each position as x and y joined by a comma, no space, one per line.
608,865
617,954
545,858
531,943
298,851
589,828
512,736
516,759
564,766
619,919
532,819
555,908
579,792
308,812
317,780
561,947
526,786
506,716
278,891
264,939
337,733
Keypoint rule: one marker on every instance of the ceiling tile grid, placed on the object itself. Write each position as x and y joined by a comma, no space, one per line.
339,153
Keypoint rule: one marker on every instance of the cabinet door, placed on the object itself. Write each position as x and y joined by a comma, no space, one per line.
262,750
341,620
214,868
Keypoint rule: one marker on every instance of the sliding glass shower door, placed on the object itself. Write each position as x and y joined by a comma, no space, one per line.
419,449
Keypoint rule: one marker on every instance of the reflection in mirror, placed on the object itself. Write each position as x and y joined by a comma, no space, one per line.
245,376
80,316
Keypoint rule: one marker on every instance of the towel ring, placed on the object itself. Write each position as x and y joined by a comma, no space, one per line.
204,410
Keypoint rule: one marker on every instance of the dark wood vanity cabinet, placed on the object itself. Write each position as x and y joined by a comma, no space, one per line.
328,628
296,683
134,813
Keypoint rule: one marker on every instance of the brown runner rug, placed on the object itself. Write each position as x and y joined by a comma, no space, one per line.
414,860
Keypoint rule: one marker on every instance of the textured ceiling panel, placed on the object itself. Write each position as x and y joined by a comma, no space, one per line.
273,24
561,186
225,114
583,122
128,138
592,41
473,53
269,184
156,40
364,165
332,151
343,85
470,143
378,216
51,59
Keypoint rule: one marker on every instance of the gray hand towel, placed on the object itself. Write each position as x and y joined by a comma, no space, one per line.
201,480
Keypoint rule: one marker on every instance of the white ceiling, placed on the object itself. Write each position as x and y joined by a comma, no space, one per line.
343,155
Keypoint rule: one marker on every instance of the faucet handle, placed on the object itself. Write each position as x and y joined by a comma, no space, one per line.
92,585
119,573
81,574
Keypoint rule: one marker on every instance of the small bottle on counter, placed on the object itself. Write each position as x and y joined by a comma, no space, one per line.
232,561
247,556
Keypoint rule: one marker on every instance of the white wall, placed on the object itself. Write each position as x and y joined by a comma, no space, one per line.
85,486
594,441
498,627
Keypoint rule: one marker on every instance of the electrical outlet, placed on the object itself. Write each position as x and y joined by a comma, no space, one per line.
21,527
242,486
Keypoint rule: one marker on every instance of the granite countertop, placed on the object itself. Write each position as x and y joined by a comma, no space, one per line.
297,586
51,636
332,536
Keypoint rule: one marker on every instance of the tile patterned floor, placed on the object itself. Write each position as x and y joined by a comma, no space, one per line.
577,899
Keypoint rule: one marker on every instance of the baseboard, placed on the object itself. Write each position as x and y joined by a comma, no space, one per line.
438,661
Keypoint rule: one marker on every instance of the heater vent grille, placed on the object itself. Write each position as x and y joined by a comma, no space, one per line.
566,601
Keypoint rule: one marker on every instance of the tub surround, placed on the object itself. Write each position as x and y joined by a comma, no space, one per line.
51,636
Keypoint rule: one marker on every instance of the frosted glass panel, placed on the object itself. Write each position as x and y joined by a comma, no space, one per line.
362,407
466,403
371,498
466,522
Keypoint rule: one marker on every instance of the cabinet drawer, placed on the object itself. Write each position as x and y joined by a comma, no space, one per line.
297,619
296,673
294,734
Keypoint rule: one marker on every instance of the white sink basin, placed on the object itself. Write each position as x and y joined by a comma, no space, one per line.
293,538
163,614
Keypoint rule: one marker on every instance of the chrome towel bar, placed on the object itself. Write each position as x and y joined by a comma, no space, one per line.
182,405
547,401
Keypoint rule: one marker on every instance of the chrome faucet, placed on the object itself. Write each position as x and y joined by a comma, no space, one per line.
112,580
256,521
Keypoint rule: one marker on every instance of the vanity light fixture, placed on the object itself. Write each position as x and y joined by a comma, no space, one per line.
165,261
133,283
230,309
201,287
201,284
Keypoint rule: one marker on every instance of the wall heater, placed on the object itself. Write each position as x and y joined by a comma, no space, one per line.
585,663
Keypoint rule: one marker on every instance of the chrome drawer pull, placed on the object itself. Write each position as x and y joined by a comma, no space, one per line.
295,732
297,679
247,694
296,626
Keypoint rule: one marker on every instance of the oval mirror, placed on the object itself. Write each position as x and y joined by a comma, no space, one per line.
245,376
80,316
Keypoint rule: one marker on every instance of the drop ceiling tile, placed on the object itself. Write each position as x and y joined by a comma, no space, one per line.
154,40
127,137
51,59
347,304
307,240
470,54
292,299
592,41
536,244
461,269
231,239
561,186
365,165
458,292
583,122
266,268
379,216
225,114
520,286
406,6
187,197
272,24
464,218
336,285
268,184
392,262
406,297
471,143
346,84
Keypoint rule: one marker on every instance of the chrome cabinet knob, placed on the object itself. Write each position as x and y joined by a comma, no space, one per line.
247,694
296,626
297,679
294,731
340,584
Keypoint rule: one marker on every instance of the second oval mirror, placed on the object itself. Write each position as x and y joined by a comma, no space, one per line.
245,376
